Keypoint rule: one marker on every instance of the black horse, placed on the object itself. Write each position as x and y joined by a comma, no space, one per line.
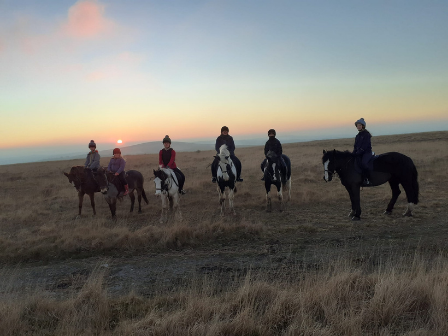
85,183
112,188
393,167
274,176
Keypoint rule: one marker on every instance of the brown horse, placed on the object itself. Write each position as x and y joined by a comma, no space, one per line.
114,189
84,182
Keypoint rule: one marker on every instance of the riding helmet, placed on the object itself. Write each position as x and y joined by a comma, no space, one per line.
224,128
117,151
92,144
361,121
272,131
166,139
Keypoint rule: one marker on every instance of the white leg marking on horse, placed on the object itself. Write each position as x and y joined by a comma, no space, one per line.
326,169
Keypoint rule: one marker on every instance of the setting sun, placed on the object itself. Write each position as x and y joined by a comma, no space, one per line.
119,141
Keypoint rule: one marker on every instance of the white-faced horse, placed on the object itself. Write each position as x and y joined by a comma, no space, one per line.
226,177
168,191
273,175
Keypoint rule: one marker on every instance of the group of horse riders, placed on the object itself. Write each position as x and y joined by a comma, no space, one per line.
362,151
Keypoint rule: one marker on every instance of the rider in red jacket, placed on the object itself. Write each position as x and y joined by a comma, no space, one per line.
167,159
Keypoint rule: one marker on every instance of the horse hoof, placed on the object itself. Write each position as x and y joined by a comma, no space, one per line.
387,212
78,217
356,218
407,214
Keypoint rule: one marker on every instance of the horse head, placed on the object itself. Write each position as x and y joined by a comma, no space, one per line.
101,179
75,176
272,163
223,161
334,161
159,179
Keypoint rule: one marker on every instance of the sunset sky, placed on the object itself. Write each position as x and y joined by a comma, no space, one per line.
72,71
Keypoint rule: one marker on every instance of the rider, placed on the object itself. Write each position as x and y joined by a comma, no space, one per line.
226,139
167,157
116,165
273,144
363,148
93,159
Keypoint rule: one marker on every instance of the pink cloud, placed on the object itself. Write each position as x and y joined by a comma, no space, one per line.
86,20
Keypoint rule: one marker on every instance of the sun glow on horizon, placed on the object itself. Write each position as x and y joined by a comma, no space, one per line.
119,141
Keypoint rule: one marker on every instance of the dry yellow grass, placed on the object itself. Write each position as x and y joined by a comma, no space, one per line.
307,270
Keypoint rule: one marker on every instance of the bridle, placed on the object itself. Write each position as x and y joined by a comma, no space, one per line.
164,185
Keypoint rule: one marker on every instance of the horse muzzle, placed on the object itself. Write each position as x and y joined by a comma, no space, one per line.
104,190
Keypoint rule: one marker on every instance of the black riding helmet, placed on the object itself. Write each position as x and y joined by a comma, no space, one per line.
272,131
224,128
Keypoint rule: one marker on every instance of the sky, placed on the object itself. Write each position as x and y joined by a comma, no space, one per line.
73,71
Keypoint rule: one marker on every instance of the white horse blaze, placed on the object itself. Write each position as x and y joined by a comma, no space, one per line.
326,169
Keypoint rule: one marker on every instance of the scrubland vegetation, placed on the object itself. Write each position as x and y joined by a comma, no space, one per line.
307,270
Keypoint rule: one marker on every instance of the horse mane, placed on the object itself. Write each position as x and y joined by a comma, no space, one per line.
339,154
77,170
224,151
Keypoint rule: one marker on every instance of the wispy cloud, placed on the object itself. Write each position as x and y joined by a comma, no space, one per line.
86,20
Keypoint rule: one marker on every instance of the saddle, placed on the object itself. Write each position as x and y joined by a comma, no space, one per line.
358,163
115,180
176,177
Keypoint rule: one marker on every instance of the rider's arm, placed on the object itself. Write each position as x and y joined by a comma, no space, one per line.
122,165
160,158
86,164
171,164
96,161
231,146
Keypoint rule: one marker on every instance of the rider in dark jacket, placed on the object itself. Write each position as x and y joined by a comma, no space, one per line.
273,144
226,139
363,148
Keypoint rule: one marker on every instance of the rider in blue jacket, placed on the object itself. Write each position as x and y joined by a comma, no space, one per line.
226,139
274,145
363,148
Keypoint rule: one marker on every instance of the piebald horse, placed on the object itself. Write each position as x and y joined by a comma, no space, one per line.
273,176
168,191
226,178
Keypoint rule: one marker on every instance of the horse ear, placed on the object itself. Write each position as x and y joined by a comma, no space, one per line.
324,151
65,174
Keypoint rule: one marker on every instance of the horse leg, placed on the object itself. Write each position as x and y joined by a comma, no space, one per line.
164,208
113,207
407,186
231,198
176,206
80,200
280,195
92,202
139,193
267,186
350,193
132,197
356,202
222,199
395,187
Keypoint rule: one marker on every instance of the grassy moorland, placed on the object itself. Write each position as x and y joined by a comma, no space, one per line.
306,270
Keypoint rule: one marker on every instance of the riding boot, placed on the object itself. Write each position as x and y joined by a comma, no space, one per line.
213,179
366,177
126,190
182,192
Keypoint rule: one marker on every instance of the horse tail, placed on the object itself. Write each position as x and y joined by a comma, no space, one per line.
144,196
415,188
